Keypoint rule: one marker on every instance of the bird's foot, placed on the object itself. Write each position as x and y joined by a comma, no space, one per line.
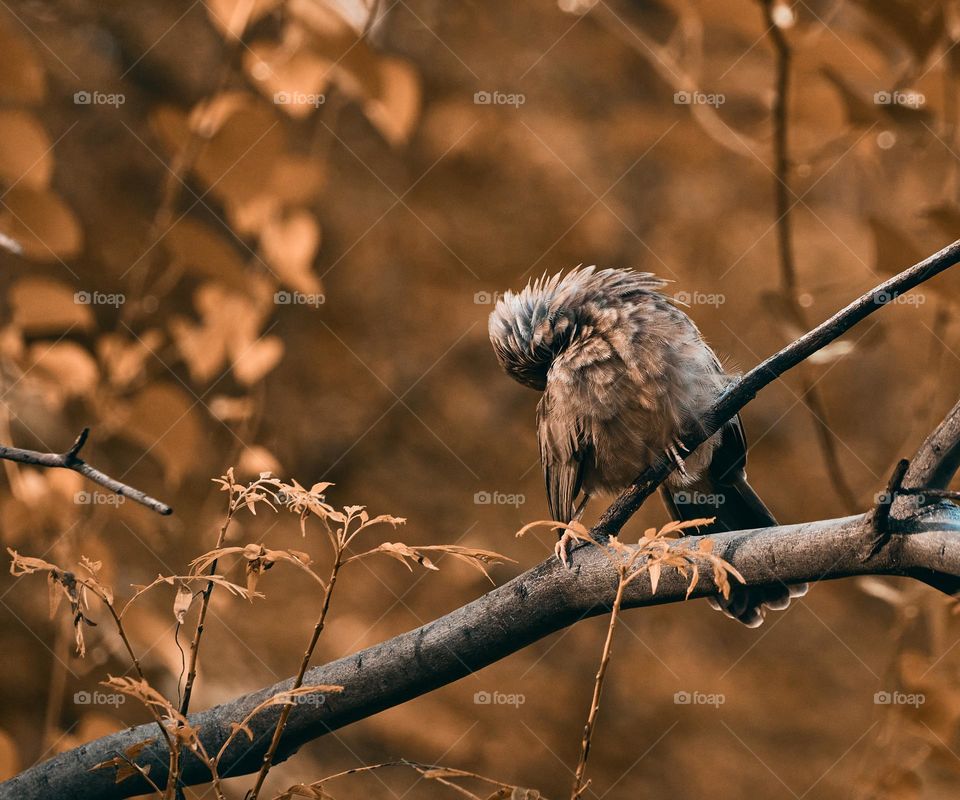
677,459
564,546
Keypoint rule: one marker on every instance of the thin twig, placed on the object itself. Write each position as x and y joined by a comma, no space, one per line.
71,460
202,616
579,787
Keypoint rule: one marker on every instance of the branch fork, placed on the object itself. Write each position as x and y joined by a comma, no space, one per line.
71,460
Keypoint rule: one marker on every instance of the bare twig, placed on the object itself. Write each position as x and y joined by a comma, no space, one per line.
71,460
202,616
579,786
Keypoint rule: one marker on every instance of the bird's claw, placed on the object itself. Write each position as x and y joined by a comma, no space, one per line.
563,547
674,453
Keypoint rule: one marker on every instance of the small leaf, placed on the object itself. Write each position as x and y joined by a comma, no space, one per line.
182,602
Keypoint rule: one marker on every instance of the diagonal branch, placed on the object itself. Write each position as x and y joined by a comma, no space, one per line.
71,460
745,389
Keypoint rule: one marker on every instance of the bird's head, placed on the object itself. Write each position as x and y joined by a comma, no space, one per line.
530,328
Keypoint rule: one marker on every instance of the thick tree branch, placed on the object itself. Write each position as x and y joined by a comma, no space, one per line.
507,619
71,460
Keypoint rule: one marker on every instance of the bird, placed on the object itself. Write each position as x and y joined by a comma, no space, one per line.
624,372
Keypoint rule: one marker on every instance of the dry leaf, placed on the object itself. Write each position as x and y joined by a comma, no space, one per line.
182,603
290,246
395,110
163,420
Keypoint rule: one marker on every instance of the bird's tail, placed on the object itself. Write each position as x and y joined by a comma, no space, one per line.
736,507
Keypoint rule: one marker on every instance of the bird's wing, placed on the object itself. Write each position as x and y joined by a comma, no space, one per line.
565,448
730,455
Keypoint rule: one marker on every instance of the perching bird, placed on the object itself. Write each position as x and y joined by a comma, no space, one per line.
623,372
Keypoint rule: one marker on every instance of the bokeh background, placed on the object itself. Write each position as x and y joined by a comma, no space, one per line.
268,233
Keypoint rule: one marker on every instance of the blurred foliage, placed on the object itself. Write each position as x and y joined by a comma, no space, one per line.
267,233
